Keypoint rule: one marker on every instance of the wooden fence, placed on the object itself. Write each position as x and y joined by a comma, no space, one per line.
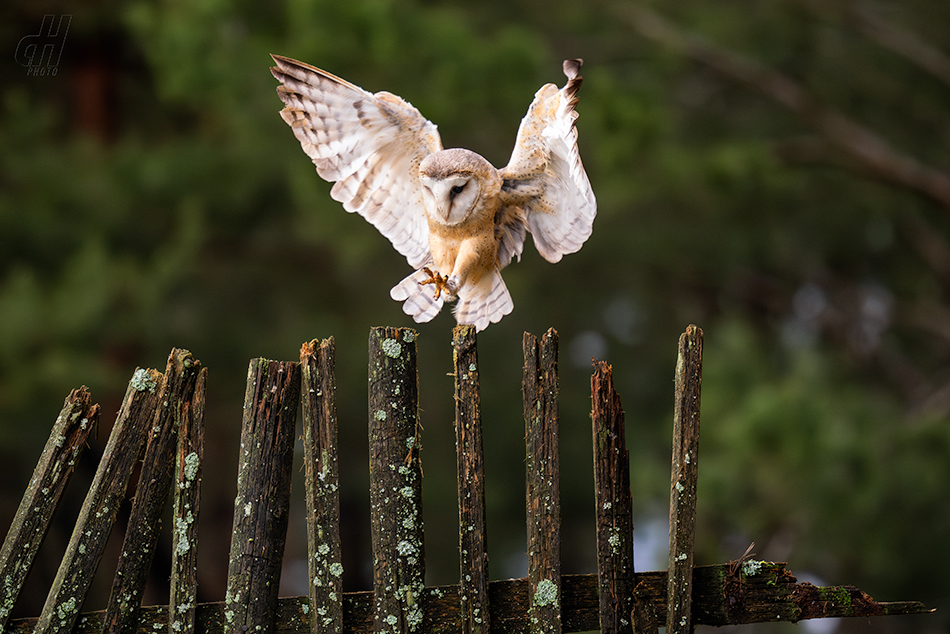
161,419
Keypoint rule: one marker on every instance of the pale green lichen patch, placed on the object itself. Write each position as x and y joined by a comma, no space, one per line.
336,569
183,545
392,348
192,462
546,593
142,381
751,567
614,541
409,336
66,609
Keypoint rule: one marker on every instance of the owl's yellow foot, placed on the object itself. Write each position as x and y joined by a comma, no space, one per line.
441,282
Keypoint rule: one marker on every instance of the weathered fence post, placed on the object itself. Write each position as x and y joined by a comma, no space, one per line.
317,361
99,509
151,493
396,481
52,473
683,480
473,541
183,591
620,607
615,600
540,393
262,504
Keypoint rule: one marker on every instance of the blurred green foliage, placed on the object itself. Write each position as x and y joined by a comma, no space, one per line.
150,197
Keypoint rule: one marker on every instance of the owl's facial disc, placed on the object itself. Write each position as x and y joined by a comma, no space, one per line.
449,199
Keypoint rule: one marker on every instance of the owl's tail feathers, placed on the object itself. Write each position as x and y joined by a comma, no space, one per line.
484,303
417,300
479,304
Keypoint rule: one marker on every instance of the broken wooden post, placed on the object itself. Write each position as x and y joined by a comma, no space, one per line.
265,467
683,480
99,509
322,479
540,394
151,493
473,541
183,591
620,609
396,481
52,473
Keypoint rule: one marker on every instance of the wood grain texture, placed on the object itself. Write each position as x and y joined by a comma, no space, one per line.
473,531
322,482
262,505
395,467
540,395
88,541
684,479
151,493
55,467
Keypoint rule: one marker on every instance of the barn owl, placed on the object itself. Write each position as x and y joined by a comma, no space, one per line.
457,219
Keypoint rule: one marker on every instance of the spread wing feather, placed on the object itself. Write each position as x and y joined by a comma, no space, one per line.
545,176
369,145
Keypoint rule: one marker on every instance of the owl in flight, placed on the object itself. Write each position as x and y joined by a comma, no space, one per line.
456,219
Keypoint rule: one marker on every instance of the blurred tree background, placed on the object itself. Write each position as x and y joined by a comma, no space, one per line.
775,172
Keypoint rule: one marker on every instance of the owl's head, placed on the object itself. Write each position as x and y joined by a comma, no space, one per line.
456,183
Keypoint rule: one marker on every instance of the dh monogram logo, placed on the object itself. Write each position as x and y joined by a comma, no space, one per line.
40,53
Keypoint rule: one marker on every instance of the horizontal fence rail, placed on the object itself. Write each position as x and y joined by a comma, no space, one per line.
161,423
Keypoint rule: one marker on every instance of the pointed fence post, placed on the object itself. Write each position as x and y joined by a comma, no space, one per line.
183,593
396,482
151,493
620,610
322,479
473,540
683,480
56,465
99,509
540,393
261,508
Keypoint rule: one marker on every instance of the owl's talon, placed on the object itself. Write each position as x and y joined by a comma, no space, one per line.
441,282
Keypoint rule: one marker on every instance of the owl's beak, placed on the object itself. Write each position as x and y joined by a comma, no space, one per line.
444,210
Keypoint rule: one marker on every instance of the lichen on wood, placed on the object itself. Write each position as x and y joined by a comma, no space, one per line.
396,482
78,417
262,505
473,539
101,504
321,475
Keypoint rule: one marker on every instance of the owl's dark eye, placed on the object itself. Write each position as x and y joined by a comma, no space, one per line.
455,191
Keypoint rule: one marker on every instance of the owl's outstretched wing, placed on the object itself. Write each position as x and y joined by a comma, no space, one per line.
369,145
545,176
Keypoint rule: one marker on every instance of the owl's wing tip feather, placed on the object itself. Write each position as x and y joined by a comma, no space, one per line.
572,67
